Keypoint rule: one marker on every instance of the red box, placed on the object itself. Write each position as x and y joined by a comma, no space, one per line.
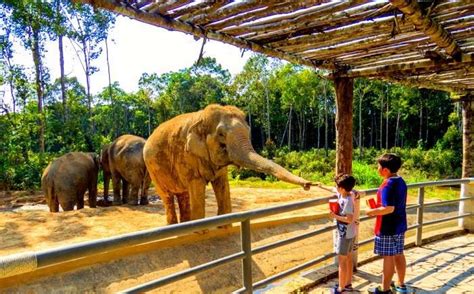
333,205
371,203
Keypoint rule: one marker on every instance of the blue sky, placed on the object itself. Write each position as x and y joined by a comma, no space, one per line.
138,48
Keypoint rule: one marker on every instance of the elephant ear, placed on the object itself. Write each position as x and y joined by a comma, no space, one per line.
195,143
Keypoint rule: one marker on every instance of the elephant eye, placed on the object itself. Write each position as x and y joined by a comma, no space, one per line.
222,145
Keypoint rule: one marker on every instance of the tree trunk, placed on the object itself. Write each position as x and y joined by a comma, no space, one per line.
360,126
421,121
62,78
326,147
39,86
397,131
268,111
10,82
61,65
289,127
319,127
344,96
381,123
111,96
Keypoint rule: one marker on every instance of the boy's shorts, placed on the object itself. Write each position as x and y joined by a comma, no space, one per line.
389,245
344,246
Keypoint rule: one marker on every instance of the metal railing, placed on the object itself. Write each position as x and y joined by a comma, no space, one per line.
49,257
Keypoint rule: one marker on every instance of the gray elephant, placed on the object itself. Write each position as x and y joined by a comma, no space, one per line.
123,161
189,151
67,178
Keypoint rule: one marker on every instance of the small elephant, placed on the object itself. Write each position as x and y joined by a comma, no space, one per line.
123,161
66,179
186,152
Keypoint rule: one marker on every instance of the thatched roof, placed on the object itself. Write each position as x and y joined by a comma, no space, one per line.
427,44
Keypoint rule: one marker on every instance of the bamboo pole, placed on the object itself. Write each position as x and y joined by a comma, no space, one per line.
292,21
430,27
176,25
186,11
279,8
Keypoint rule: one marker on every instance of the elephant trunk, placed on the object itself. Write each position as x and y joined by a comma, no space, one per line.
242,154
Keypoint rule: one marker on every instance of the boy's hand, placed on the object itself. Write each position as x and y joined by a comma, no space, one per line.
371,212
332,214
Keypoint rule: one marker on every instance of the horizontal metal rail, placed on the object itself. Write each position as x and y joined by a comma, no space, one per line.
186,273
292,239
57,255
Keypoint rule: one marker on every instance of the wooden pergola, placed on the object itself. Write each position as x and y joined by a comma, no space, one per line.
424,44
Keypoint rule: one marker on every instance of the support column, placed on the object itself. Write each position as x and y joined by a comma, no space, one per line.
467,190
344,96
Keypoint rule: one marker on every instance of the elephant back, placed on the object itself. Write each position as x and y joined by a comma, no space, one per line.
126,158
73,170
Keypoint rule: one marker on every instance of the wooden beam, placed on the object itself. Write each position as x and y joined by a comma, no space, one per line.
467,160
411,68
430,27
123,8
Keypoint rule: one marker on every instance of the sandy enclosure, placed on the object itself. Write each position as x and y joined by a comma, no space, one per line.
26,224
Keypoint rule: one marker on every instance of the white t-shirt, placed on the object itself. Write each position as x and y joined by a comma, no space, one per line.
346,206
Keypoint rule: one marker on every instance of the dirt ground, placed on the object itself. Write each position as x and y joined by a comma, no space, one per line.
26,224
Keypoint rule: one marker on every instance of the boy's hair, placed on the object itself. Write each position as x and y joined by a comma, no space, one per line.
391,161
345,181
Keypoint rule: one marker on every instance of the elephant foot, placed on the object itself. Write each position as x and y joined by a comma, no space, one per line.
117,203
144,201
133,203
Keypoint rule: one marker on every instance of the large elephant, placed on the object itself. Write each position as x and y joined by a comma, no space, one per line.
123,161
187,152
66,179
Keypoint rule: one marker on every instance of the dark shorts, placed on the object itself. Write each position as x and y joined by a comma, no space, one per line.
344,246
389,245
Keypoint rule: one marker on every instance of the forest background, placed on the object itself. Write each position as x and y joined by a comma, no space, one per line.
290,109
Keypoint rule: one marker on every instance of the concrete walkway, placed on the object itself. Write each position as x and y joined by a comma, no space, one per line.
445,266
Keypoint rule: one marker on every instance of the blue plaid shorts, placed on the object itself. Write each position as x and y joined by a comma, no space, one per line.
389,245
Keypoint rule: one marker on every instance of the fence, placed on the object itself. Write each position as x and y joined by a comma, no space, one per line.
25,262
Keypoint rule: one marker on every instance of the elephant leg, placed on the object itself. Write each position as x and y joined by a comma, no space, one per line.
125,191
184,207
221,189
92,192
134,195
53,204
197,191
168,202
116,182
144,191
80,201
106,186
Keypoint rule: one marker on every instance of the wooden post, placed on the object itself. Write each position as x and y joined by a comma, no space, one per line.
467,190
344,96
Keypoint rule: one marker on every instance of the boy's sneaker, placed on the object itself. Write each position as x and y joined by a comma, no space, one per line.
399,288
378,290
335,290
348,288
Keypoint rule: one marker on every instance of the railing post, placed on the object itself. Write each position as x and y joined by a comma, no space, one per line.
419,216
467,206
247,261
355,249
